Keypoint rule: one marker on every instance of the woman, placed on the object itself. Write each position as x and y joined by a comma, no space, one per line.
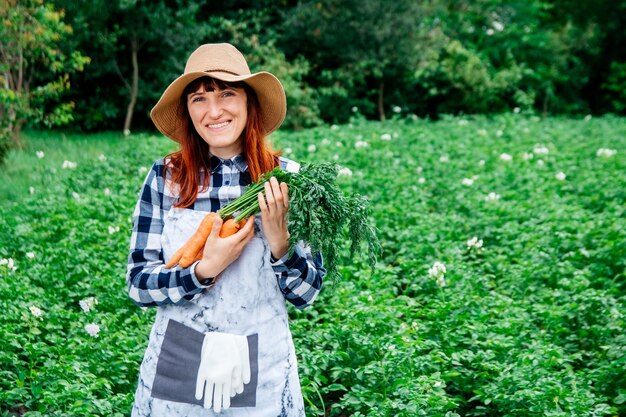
220,342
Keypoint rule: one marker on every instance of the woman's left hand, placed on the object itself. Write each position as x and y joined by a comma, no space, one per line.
274,208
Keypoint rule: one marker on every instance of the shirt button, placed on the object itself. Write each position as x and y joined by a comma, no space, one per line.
227,182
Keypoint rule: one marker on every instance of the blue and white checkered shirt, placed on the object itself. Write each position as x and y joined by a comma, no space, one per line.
151,284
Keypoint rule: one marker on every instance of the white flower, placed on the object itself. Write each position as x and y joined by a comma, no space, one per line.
498,26
492,196
107,192
88,303
336,157
414,117
516,110
345,171
587,117
441,281
76,196
526,130
361,144
102,157
143,170
481,132
40,154
126,132
526,156
481,163
475,243
288,151
463,122
355,109
607,153
36,311
560,176
69,165
437,270
490,32
385,136
370,298
311,148
444,158
540,149
467,181
30,255
499,133
419,170
113,230
325,141
396,109
334,127
10,263
421,180
31,190
540,162
506,157
93,329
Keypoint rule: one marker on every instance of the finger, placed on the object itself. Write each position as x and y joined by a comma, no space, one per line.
262,203
200,382
208,395
277,191
226,395
285,191
249,229
269,196
217,398
215,230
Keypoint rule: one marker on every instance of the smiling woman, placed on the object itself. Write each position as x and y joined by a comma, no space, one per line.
218,112
221,337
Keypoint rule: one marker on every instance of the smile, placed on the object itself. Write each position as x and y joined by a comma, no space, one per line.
218,125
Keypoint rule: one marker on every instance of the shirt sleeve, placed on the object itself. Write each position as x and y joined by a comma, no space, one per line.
299,275
149,283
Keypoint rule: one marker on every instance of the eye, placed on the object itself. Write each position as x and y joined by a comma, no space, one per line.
196,99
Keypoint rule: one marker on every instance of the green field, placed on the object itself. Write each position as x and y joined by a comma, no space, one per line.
528,319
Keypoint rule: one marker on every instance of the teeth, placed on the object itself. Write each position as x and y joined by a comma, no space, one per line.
218,125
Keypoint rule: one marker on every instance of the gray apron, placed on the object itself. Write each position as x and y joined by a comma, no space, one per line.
246,301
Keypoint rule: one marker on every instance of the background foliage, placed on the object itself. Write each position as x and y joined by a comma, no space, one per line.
531,323
428,58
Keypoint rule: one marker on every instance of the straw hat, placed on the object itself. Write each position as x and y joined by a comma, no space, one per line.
224,62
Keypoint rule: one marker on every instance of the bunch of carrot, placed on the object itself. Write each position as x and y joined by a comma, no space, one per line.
319,214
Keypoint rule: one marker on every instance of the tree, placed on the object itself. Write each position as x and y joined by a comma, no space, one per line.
34,71
137,44
364,43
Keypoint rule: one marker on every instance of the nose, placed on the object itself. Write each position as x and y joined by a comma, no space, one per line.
213,108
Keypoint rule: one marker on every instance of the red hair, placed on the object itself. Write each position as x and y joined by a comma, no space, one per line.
190,165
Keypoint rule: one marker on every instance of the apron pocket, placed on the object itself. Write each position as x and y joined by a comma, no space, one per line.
178,363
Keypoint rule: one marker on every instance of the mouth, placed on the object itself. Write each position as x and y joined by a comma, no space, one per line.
219,125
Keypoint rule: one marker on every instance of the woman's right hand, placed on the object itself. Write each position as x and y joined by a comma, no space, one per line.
220,252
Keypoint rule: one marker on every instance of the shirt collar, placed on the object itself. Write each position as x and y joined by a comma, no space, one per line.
238,161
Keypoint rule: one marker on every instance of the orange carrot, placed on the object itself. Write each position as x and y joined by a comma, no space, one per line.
193,250
197,241
230,227
176,257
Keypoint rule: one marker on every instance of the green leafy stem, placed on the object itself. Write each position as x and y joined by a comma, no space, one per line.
319,213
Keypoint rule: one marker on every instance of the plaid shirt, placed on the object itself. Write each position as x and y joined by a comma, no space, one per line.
151,284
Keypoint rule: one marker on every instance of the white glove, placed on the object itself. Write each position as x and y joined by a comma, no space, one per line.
224,369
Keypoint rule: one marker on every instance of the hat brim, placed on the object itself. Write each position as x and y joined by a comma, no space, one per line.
166,114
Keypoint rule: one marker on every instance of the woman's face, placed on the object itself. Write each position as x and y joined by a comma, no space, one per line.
219,117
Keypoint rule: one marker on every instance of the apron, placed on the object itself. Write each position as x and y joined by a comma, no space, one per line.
245,301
